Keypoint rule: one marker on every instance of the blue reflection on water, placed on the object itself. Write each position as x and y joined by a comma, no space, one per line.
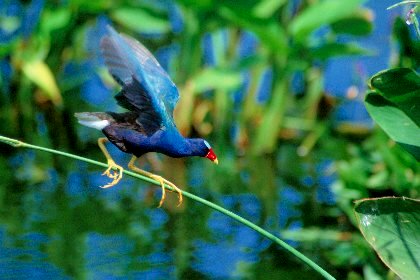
28,262
158,217
326,179
221,260
6,71
233,243
107,255
154,273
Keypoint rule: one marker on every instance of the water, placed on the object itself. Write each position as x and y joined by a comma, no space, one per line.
63,226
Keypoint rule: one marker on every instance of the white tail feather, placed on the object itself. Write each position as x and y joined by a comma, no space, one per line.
92,120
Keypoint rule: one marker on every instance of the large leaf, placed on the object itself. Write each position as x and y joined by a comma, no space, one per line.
140,20
322,13
268,31
214,78
359,24
266,8
391,225
327,51
40,74
394,103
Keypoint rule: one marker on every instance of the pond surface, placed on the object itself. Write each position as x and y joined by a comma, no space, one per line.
57,223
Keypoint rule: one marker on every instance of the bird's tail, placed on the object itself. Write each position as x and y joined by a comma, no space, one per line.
97,120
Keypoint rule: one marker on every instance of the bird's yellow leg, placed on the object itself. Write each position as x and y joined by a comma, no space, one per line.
158,178
114,175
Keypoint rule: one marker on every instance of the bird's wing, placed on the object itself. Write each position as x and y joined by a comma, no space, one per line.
147,88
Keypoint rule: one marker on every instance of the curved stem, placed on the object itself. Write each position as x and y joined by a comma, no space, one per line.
272,237
407,2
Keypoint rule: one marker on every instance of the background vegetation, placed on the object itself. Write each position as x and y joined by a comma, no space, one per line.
275,86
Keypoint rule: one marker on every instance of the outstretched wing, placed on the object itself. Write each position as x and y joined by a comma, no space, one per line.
146,88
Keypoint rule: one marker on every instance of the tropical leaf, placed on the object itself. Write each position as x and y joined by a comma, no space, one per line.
394,103
391,225
331,11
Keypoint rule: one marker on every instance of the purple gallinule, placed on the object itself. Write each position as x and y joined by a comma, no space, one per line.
150,96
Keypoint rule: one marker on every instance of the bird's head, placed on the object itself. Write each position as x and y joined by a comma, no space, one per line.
202,148
210,153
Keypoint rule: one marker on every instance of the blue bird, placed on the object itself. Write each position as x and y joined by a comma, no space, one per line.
150,96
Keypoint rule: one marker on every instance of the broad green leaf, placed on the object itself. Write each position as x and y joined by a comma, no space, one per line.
400,86
268,130
358,25
394,103
140,20
53,20
391,225
91,6
337,49
213,78
266,8
322,13
315,235
40,74
268,31
408,45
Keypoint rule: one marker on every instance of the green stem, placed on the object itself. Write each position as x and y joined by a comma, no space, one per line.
416,21
404,3
17,143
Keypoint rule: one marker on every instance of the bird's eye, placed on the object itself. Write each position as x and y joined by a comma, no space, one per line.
207,144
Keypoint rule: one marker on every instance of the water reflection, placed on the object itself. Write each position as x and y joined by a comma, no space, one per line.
64,226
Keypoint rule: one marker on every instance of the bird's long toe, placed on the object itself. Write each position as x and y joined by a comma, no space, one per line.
115,175
176,189
162,182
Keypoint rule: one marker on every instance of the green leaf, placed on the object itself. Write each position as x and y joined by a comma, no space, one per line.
400,86
140,20
391,225
268,131
321,13
91,6
394,103
314,235
40,74
213,78
268,31
53,20
358,25
337,49
266,8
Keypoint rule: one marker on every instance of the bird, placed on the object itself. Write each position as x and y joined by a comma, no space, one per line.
149,97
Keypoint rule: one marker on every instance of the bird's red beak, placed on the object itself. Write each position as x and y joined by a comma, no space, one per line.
212,156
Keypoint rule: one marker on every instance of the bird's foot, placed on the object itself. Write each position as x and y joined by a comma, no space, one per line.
115,175
162,182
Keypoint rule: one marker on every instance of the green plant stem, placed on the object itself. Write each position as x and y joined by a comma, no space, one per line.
403,3
413,16
416,22
17,143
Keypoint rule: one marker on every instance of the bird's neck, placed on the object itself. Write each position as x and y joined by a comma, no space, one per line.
174,144
195,147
